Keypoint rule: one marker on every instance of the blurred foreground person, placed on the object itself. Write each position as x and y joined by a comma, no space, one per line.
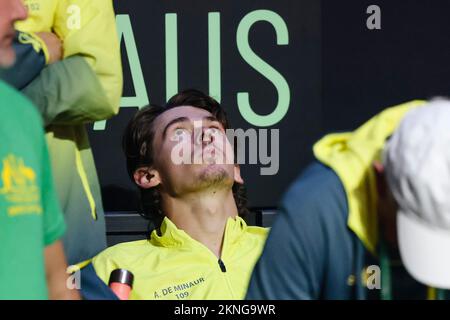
201,247
69,66
375,201
32,261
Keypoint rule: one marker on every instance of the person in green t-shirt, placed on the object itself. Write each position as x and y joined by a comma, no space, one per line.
32,261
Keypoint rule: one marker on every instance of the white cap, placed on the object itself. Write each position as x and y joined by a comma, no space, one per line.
417,165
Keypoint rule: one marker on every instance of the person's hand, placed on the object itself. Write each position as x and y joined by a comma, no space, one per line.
54,46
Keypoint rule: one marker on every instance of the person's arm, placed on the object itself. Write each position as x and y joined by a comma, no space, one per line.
91,33
68,92
296,258
55,270
309,253
291,264
86,86
53,229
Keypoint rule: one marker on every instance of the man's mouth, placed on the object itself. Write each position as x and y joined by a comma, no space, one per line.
207,154
8,39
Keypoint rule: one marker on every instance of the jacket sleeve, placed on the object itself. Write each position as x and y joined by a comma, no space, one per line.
68,92
88,29
86,86
30,60
309,253
292,263
287,269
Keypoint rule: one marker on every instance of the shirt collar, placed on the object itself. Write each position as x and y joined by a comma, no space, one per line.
169,235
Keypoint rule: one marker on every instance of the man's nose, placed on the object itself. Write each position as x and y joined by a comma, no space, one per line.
208,136
203,136
19,12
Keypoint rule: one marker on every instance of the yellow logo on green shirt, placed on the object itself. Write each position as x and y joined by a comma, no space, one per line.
19,187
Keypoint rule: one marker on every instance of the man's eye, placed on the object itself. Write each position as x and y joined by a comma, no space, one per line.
181,132
214,129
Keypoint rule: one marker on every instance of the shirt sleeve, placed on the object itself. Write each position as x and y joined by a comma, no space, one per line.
311,253
291,265
300,251
54,225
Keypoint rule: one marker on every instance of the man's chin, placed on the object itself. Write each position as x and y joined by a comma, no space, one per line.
7,58
215,174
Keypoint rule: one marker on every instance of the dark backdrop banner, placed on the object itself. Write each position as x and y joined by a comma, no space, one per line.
304,67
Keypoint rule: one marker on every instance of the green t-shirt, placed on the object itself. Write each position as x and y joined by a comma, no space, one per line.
30,215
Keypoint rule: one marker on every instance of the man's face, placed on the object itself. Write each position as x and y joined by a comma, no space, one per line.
191,151
10,12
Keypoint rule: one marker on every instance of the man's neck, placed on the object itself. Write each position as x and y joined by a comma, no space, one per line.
203,216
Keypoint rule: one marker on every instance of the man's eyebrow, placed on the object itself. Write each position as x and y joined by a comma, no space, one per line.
211,118
186,119
173,121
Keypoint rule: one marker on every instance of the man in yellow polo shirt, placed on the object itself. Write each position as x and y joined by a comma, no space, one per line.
202,248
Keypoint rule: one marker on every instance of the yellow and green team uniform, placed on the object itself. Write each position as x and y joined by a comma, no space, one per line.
84,87
30,215
328,225
172,265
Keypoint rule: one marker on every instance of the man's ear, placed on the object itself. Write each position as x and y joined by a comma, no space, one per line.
380,178
237,174
378,166
146,177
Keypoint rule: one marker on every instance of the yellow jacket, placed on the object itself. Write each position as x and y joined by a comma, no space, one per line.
175,266
88,29
84,87
351,155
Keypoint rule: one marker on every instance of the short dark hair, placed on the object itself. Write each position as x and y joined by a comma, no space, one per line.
138,141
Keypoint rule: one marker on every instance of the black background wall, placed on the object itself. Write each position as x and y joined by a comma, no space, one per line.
339,73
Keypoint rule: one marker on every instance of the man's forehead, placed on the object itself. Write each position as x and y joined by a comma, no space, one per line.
191,113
